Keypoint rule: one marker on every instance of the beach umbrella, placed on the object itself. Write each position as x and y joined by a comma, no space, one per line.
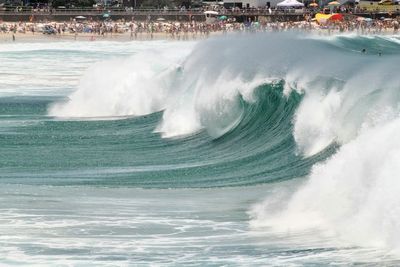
334,3
313,5
80,17
322,18
385,2
223,17
106,15
160,19
336,16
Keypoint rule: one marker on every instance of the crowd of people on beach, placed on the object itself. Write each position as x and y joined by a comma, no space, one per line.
193,29
235,10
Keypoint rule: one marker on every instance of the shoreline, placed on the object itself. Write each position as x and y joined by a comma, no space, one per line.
176,31
120,37
7,38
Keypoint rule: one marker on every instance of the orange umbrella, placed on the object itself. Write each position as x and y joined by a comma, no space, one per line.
334,3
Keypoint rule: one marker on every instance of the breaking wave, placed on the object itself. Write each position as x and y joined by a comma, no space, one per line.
276,106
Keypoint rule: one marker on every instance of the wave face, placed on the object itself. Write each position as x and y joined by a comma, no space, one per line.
310,120
229,86
258,148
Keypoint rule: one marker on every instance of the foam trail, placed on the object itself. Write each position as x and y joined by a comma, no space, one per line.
203,87
122,87
339,109
354,195
212,105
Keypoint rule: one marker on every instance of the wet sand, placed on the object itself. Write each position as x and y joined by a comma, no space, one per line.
40,37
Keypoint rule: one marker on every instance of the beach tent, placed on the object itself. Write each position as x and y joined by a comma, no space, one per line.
324,18
290,3
211,16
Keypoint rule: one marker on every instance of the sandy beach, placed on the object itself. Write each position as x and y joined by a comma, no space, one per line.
39,37
129,31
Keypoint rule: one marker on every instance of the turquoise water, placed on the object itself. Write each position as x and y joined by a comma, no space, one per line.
199,154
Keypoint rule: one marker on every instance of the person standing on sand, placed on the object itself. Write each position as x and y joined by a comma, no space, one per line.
395,26
13,37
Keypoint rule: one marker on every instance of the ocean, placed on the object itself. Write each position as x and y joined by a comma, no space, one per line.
274,149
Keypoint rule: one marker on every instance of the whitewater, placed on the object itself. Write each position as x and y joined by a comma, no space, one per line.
272,149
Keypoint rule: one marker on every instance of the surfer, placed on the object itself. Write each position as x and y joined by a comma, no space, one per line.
363,50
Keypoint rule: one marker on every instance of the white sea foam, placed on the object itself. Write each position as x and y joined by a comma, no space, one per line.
198,87
354,195
349,98
193,94
54,68
120,87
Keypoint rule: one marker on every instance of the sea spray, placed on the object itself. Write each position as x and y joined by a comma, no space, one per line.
72,187
342,98
202,88
353,195
121,87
